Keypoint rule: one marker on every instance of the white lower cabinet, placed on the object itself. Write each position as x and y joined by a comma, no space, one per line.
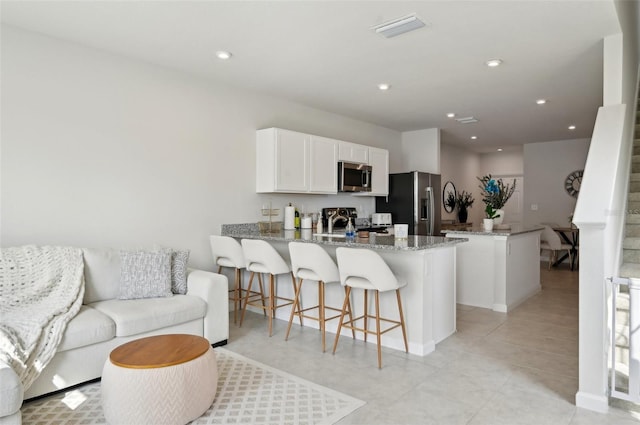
292,162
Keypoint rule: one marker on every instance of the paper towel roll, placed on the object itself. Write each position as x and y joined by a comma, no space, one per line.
289,217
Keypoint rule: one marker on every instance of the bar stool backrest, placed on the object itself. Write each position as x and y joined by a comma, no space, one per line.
363,266
227,252
261,257
311,261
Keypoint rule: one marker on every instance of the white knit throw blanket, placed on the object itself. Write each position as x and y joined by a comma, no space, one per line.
41,289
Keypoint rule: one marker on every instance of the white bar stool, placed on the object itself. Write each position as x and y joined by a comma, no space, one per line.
227,252
365,269
260,258
310,261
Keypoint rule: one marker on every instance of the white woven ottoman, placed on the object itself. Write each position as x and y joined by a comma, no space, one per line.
165,379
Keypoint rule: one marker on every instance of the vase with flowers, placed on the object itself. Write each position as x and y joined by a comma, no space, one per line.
495,194
464,201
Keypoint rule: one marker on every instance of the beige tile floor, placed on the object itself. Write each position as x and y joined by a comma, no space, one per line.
515,368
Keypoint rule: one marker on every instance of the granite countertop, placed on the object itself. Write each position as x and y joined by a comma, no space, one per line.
514,229
375,241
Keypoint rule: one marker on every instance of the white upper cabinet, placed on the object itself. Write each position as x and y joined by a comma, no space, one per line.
292,162
352,152
379,161
323,165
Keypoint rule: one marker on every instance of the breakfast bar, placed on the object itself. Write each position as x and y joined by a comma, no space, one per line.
427,263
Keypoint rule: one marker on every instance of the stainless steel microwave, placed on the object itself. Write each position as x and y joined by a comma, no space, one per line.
354,177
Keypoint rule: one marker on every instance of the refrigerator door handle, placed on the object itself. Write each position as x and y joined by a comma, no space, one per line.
431,211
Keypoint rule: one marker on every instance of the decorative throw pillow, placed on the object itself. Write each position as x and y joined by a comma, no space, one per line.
179,271
145,274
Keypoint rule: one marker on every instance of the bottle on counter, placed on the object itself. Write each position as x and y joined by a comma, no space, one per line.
351,231
319,228
296,219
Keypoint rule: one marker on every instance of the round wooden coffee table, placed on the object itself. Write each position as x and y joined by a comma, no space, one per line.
169,379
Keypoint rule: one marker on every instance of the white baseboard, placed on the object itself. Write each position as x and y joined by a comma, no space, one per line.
593,402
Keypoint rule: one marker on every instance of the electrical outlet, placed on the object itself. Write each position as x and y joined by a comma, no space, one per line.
534,207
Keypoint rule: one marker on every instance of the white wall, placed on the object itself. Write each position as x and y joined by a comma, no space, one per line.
502,164
421,151
461,167
99,150
546,165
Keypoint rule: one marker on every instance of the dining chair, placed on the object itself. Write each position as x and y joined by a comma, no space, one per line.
550,240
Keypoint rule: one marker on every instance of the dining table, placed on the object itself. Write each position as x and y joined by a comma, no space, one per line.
571,236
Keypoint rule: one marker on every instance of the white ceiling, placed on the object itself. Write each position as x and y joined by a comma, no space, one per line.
324,54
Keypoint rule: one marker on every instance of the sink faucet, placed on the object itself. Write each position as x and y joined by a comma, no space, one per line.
330,222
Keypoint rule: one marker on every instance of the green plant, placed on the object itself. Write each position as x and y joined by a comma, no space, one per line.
464,200
494,192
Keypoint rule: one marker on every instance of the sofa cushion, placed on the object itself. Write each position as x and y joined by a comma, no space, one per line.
179,261
143,315
145,274
11,391
101,274
88,327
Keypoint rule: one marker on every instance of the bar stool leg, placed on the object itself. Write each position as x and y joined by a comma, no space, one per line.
321,312
272,288
344,308
404,331
353,331
377,293
264,307
246,297
293,308
293,280
366,315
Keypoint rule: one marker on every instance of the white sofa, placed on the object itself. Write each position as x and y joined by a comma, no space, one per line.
105,322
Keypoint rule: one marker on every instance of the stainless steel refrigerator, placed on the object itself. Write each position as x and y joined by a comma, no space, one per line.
414,199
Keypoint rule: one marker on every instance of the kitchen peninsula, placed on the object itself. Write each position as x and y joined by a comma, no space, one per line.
427,263
497,269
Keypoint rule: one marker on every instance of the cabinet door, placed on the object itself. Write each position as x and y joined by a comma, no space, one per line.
379,161
323,165
352,152
292,161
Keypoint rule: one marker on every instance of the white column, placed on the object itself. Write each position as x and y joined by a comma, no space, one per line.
593,348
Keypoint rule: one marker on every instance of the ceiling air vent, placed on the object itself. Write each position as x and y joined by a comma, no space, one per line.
399,26
466,120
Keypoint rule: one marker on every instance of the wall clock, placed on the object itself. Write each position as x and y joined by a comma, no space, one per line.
572,183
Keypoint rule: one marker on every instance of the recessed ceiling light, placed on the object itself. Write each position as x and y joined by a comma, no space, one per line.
474,137
451,115
492,63
541,101
224,55
572,127
384,86
499,149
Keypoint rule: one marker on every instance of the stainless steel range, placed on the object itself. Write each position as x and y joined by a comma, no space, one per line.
340,217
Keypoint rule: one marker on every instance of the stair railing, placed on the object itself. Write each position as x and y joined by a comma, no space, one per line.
633,389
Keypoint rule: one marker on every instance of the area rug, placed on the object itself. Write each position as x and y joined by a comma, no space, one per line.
249,392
